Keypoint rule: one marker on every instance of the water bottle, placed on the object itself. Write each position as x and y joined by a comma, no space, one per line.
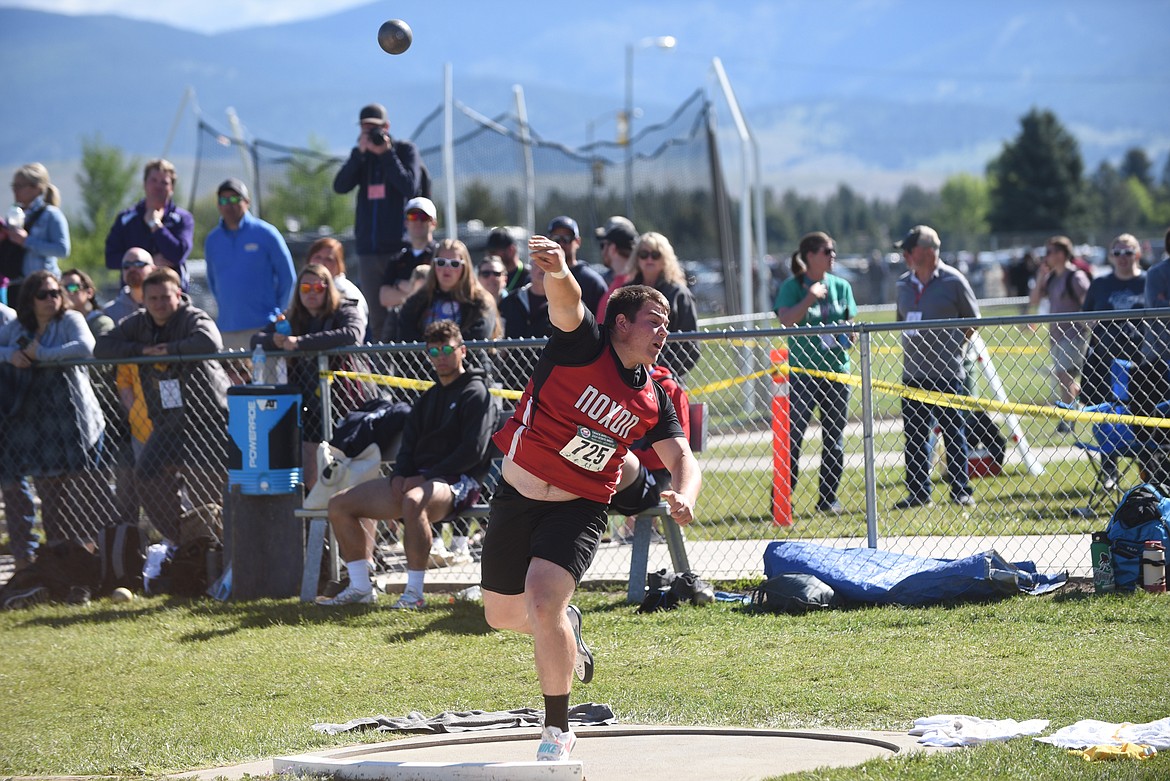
1102,560
283,326
259,365
15,216
281,370
1154,567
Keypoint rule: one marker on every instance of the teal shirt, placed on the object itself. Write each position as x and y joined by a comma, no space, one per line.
810,352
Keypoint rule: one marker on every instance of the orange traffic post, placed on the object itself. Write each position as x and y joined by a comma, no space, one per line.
781,455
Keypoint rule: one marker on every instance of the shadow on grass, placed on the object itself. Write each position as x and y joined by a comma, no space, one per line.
458,619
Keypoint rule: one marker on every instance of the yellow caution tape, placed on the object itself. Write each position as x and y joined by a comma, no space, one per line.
408,383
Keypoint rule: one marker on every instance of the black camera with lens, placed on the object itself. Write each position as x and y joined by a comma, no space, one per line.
378,136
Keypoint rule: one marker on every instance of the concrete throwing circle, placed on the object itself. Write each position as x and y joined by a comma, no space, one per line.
618,753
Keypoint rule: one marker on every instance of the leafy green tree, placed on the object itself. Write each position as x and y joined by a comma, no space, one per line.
303,199
1112,202
107,179
1036,179
1137,164
476,202
962,211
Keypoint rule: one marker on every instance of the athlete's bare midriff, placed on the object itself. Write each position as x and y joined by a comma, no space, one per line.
531,486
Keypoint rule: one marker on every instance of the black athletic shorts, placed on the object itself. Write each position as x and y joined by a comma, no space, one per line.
638,496
520,529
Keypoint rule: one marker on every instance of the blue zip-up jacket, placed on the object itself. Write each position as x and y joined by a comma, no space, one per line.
392,179
250,273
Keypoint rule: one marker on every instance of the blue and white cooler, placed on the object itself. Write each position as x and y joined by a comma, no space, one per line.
264,439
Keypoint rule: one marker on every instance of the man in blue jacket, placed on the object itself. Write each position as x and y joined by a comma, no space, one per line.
387,173
249,268
155,224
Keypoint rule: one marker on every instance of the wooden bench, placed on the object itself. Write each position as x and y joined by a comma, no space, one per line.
640,549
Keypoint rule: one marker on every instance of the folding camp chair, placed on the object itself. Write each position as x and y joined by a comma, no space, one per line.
1116,446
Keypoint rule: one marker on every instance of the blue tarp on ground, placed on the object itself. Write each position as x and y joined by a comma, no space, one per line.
883,577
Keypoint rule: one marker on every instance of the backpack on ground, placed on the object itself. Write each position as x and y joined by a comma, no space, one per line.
120,548
1143,514
793,592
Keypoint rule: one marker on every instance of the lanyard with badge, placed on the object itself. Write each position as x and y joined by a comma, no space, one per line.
915,316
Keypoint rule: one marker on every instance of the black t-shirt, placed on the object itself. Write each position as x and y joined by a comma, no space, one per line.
400,268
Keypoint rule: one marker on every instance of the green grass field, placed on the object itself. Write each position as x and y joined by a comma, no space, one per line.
159,686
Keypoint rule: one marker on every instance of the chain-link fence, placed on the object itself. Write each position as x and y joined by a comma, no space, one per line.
1042,477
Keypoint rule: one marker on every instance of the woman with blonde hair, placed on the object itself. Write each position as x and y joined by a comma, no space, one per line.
658,267
318,319
42,237
451,292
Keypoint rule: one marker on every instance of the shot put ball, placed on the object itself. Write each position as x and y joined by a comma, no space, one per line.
395,36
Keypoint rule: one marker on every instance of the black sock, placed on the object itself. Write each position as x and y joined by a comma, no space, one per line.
556,711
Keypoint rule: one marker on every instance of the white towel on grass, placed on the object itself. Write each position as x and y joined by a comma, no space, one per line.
951,730
1090,732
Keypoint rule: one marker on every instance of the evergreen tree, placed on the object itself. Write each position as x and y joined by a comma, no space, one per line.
108,180
1137,164
1036,180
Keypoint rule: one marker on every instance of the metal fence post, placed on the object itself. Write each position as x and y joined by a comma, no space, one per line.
871,530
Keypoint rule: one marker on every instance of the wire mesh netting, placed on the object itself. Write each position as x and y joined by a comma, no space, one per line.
672,174
1042,476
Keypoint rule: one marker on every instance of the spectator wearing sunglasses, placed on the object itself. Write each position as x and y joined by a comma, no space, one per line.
493,276
79,289
451,292
397,276
319,319
658,267
501,243
156,224
330,253
563,230
814,296
137,264
53,431
1123,289
442,459
249,268
617,253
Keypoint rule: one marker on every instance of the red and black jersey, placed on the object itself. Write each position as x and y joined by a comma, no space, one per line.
581,411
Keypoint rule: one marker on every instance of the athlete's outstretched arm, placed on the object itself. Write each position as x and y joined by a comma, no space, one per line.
565,310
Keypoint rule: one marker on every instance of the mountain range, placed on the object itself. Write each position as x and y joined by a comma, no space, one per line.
872,93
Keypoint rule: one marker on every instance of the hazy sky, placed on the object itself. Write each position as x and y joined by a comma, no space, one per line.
205,16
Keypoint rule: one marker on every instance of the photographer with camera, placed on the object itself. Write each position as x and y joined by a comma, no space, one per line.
387,172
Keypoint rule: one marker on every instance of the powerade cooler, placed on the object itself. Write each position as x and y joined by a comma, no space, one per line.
264,439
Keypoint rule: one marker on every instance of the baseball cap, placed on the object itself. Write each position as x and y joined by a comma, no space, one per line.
236,186
568,223
919,235
375,112
612,223
621,236
425,205
499,238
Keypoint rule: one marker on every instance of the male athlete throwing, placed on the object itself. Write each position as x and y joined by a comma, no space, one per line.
590,397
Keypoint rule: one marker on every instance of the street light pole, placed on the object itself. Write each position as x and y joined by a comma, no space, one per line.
661,42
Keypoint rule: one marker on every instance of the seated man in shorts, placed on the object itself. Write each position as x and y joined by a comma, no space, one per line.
442,459
589,400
